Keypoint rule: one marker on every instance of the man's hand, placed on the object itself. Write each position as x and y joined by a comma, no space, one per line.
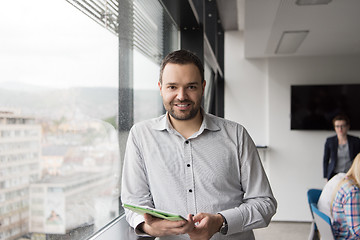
208,225
157,227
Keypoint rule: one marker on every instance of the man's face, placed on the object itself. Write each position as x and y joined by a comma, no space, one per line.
181,90
341,128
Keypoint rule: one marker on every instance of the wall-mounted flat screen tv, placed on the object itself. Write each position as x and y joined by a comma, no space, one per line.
314,106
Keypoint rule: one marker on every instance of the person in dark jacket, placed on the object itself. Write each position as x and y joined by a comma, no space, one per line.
340,150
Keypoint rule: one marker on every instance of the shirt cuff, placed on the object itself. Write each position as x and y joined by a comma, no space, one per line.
234,220
137,221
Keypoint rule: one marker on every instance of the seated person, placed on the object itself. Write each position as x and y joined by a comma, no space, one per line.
346,204
327,194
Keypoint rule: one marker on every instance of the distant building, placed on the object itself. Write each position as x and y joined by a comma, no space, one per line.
57,186
20,151
52,159
59,204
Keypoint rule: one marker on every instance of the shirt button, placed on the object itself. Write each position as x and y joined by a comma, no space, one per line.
187,142
190,190
188,165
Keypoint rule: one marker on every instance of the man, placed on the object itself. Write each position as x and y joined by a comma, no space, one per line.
340,150
194,164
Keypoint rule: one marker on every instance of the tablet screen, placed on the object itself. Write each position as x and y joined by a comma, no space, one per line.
154,212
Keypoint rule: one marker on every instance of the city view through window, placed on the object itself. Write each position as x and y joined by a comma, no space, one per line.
59,149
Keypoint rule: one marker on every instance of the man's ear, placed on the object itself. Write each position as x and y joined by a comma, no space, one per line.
203,87
160,87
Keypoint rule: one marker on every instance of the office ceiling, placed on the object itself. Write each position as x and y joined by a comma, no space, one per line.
333,29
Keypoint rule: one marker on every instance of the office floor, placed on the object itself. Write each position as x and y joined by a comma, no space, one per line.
284,231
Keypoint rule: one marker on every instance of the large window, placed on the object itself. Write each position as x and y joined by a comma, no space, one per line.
61,75
58,108
146,91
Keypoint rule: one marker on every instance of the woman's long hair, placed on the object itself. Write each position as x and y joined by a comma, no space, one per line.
354,171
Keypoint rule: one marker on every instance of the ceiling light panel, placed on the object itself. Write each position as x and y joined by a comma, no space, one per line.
290,41
312,2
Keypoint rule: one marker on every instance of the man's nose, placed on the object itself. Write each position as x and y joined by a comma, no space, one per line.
181,94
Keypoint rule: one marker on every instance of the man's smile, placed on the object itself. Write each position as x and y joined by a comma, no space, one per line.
182,106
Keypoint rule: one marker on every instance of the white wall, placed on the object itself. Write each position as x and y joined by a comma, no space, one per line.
257,95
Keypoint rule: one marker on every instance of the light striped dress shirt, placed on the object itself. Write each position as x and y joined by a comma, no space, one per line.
216,170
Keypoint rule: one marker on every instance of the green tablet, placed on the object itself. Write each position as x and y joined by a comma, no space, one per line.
154,212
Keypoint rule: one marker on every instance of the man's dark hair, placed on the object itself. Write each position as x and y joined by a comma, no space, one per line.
341,117
182,57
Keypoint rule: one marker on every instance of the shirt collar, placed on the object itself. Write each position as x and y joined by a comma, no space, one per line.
162,123
208,123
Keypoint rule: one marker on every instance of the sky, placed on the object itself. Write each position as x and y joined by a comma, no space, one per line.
51,43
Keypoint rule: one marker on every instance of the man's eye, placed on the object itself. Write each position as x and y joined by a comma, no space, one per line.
171,87
192,87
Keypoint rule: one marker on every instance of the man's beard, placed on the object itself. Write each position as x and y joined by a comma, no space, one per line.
187,116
